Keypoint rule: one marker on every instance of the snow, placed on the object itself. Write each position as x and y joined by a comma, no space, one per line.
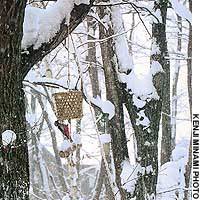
155,49
41,25
138,102
171,174
76,138
65,145
66,197
121,45
156,67
149,169
129,175
158,16
78,2
105,138
142,119
181,10
8,136
147,143
141,85
106,106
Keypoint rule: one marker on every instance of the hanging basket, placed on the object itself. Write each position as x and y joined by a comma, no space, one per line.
68,105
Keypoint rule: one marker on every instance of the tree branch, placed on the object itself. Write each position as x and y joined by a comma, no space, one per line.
35,55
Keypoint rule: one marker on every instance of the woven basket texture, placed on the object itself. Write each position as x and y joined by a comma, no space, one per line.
68,105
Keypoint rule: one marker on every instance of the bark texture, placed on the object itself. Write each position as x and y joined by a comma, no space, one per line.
147,153
113,92
159,33
188,167
14,170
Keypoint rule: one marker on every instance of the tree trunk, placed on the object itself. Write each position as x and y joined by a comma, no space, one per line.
159,32
116,126
147,147
14,171
175,83
147,138
188,167
189,64
96,91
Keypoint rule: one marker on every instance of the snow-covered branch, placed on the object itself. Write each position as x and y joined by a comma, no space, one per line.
38,44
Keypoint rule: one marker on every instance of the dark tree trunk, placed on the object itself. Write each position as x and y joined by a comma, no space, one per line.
147,155
159,33
147,138
14,170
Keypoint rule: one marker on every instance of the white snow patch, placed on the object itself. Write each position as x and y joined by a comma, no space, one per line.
181,10
77,139
105,138
41,25
106,106
156,67
8,136
149,169
78,2
121,45
158,16
129,175
155,49
171,174
147,143
142,119
138,102
65,145
66,197
140,85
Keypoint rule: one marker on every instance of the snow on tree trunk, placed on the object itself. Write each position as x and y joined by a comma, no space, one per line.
147,136
116,125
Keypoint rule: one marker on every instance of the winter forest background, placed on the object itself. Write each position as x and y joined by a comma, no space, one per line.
132,61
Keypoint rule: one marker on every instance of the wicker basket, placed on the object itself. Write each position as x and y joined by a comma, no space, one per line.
68,105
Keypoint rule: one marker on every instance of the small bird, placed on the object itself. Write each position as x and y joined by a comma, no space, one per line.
64,129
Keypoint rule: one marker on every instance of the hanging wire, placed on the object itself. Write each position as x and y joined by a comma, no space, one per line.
78,65
112,183
68,55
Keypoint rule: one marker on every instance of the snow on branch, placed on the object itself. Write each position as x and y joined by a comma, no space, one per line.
106,106
181,10
38,41
41,25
